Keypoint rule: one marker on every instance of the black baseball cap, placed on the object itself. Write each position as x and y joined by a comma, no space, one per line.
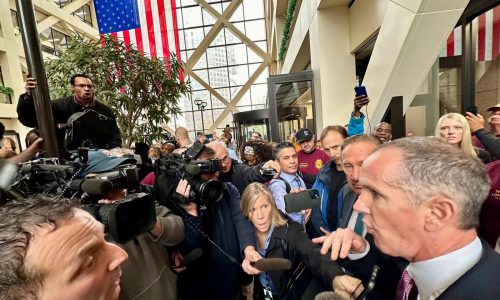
304,135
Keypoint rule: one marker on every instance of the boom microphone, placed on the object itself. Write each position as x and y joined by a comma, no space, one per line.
272,264
97,186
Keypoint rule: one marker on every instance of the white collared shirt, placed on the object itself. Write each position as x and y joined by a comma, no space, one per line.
435,275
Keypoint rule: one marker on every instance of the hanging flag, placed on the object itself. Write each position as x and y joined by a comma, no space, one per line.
116,15
156,33
487,30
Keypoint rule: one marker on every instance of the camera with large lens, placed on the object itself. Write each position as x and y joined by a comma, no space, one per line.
126,218
123,220
171,168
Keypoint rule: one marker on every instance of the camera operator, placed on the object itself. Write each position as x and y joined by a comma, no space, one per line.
52,249
241,175
148,256
228,235
147,274
83,98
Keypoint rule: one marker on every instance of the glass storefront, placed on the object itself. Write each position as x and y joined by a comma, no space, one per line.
441,93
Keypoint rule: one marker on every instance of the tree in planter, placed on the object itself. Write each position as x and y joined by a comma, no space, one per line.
142,92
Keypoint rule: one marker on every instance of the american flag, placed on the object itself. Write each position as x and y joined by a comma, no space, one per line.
487,29
151,25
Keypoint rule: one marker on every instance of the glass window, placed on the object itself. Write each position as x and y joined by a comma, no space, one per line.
245,100
207,18
230,37
238,14
218,77
253,57
236,54
60,41
224,93
224,65
216,57
254,9
192,16
259,94
193,37
201,63
219,39
255,30
15,21
262,77
238,75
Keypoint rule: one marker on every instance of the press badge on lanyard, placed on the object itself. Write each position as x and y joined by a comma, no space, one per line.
268,295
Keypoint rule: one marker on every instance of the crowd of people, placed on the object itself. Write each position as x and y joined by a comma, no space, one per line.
423,211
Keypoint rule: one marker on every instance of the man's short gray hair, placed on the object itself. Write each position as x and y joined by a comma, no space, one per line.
366,138
431,168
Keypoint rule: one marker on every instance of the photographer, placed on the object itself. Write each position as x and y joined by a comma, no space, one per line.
221,231
83,98
240,175
147,274
148,256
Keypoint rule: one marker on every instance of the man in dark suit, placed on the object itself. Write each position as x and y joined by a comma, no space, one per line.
421,200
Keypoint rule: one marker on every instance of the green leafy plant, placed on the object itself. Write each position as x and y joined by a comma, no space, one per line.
143,92
6,90
286,28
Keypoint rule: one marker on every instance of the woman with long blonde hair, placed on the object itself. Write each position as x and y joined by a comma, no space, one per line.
278,238
455,129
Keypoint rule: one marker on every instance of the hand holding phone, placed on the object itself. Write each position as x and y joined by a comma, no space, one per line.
360,91
472,110
302,200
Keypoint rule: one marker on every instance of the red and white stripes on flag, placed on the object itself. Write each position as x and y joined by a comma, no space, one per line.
159,31
487,29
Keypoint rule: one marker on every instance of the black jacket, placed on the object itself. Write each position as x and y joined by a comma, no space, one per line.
490,141
215,276
62,109
291,242
241,175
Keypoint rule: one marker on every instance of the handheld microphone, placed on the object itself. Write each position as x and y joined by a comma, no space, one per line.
371,284
97,186
272,264
192,257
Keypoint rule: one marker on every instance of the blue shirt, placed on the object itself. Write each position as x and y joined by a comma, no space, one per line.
278,189
264,277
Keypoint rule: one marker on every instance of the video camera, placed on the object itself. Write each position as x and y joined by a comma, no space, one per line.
82,127
123,220
171,168
127,218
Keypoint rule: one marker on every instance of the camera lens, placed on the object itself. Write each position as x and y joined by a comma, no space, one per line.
210,191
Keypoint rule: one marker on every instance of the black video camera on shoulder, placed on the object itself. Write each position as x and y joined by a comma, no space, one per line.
171,168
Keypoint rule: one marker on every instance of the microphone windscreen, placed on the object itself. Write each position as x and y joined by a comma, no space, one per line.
272,264
192,169
97,186
192,257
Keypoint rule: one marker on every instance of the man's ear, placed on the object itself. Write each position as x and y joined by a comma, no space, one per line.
439,212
